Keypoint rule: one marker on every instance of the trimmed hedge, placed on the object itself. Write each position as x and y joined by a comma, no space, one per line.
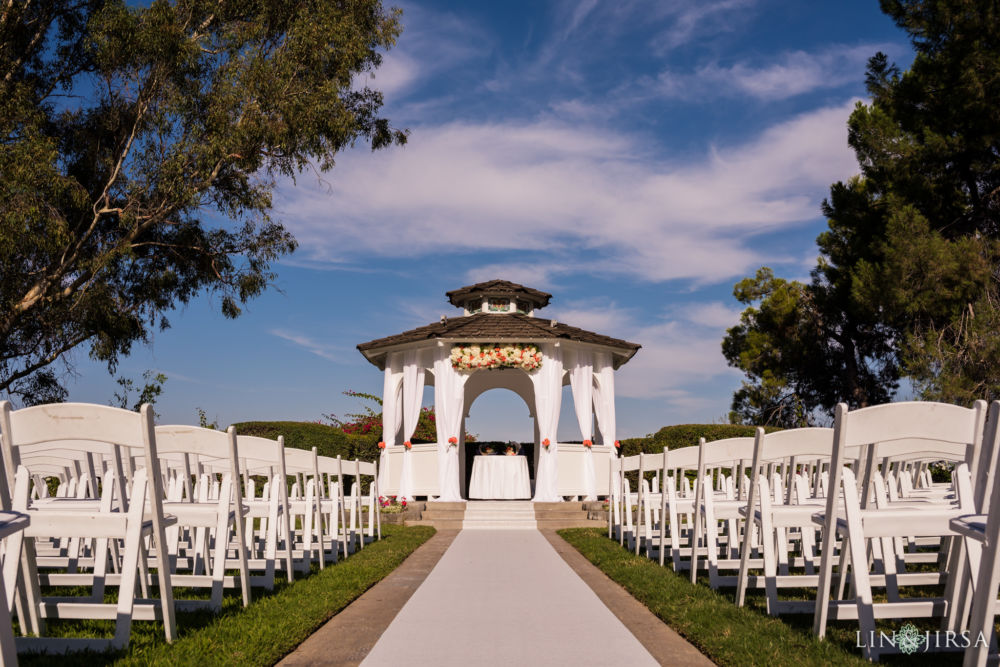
685,435
332,441
328,440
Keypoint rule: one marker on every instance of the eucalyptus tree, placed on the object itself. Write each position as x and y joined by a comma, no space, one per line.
139,150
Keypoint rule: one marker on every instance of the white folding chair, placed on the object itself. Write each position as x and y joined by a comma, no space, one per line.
272,543
129,513
214,518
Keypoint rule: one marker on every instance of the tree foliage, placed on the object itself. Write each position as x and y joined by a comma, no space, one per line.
906,284
139,148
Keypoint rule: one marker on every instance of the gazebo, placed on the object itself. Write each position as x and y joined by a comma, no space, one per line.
497,342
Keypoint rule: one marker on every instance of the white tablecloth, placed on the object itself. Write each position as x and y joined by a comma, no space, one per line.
503,477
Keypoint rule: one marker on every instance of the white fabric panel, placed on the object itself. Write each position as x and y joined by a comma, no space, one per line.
392,409
449,407
547,382
500,478
604,396
413,394
581,379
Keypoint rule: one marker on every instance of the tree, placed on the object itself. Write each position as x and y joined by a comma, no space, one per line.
906,284
150,391
140,146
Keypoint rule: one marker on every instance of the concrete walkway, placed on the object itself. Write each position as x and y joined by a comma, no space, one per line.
505,598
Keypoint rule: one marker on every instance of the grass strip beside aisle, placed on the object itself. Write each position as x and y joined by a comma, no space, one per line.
727,634
273,626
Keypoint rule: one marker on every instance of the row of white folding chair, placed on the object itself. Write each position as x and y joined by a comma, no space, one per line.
774,516
268,531
94,429
213,516
355,503
308,539
711,507
859,525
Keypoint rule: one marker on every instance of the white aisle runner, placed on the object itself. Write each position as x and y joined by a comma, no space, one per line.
505,598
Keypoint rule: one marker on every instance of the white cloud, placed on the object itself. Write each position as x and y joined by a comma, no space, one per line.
680,354
574,199
698,19
431,43
713,314
324,350
788,75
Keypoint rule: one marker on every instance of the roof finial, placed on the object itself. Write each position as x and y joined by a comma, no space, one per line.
444,319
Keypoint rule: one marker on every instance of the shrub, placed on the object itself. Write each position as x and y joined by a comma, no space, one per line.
328,440
685,435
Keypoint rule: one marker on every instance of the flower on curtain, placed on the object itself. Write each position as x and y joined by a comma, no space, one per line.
381,445
408,444
588,444
453,441
618,444
546,443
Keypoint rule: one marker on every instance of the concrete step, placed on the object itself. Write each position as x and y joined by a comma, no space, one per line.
435,505
442,514
571,523
440,524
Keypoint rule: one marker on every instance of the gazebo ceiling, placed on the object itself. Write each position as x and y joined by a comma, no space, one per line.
493,328
498,288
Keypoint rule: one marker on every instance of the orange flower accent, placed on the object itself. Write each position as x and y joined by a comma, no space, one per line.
381,445
546,443
408,444
618,444
453,440
588,443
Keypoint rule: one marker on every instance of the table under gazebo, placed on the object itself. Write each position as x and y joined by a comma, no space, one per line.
497,342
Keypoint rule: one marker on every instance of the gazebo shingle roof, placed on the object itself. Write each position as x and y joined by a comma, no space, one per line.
459,296
492,328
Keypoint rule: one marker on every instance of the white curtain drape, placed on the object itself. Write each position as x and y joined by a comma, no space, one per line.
547,382
392,411
604,396
413,395
581,379
449,407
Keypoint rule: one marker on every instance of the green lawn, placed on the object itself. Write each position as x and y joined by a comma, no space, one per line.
710,620
272,626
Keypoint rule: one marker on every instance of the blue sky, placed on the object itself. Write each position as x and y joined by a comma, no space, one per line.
635,159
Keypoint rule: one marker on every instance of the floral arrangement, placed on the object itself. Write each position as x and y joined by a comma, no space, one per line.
546,443
485,450
390,505
511,449
588,444
453,441
472,357
618,444
408,445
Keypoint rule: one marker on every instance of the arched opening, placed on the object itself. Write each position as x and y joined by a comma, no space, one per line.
499,416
